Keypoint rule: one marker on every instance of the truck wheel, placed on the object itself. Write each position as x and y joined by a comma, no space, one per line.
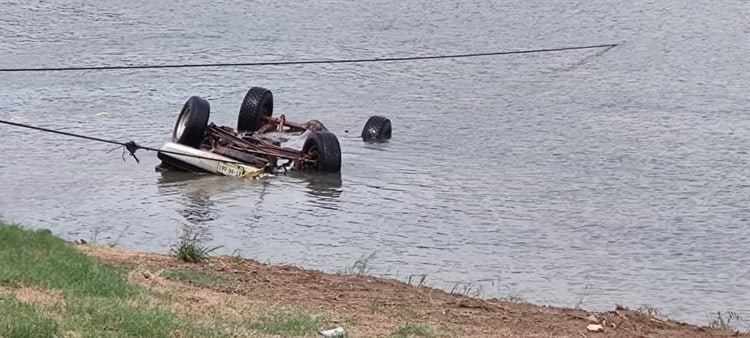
324,147
191,124
258,103
377,128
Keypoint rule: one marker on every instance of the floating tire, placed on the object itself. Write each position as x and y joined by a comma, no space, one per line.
324,147
258,103
190,128
377,128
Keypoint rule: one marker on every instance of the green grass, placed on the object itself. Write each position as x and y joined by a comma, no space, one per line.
23,320
466,289
96,295
91,316
298,323
191,249
197,277
373,305
236,258
101,317
417,280
361,266
36,258
78,296
412,330
449,330
724,321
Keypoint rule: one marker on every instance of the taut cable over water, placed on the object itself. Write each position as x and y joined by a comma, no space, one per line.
130,147
309,62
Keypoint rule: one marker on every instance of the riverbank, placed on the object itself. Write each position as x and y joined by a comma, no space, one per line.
51,287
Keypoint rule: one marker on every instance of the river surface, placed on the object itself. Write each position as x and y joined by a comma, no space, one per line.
617,177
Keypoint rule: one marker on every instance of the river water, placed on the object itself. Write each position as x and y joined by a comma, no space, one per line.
608,178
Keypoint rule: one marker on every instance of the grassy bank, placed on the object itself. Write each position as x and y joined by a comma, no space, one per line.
52,288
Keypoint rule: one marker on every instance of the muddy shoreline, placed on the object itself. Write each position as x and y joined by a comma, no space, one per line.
380,305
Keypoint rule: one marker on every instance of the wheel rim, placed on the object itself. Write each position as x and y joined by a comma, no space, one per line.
181,125
313,152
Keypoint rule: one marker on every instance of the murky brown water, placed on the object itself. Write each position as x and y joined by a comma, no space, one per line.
536,175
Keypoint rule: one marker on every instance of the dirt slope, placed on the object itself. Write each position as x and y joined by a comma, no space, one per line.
373,307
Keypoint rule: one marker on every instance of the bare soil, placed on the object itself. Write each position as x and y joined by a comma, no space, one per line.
374,307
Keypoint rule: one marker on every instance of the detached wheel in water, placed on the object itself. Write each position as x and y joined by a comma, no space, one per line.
325,149
258,103
191,124
377,128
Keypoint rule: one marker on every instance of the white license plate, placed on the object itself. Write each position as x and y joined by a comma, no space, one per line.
231,169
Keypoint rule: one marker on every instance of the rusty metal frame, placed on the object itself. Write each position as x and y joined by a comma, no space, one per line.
224,140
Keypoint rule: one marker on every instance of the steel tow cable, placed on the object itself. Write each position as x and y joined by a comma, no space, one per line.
130,146
308,62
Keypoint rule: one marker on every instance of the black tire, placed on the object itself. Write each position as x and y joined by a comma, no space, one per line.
191,124
325,149
377,128
258,103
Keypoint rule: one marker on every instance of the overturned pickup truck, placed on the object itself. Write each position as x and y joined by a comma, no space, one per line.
250,150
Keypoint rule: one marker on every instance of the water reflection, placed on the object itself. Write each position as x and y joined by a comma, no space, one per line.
169,177
324,186
198,207
381,145
200,192
323,190
196,190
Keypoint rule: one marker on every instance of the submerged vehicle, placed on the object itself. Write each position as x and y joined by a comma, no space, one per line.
249,150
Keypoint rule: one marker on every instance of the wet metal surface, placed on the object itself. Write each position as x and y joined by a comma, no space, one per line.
539,174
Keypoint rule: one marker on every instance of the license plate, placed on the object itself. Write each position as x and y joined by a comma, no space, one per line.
231,169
